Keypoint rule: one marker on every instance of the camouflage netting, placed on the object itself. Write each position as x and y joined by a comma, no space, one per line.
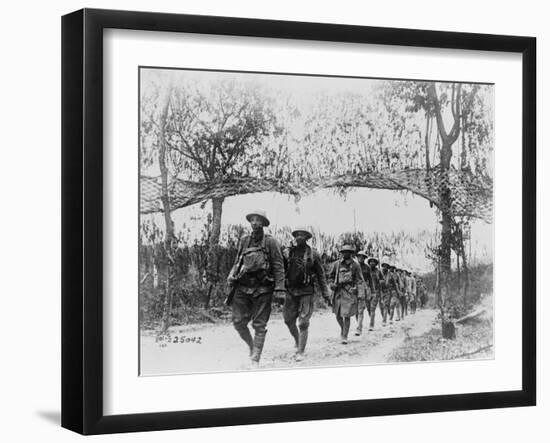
470,195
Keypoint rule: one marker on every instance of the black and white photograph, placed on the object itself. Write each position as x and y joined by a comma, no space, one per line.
302,221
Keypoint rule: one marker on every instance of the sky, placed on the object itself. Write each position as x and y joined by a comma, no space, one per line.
366,210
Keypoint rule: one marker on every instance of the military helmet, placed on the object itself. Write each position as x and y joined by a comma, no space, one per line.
304,230
374,259
363,253
260,214
347,248
386,265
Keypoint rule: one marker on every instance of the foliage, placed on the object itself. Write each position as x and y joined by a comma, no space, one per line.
189,273
474,341
481,283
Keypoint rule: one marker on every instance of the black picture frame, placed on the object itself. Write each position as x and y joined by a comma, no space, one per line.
82,220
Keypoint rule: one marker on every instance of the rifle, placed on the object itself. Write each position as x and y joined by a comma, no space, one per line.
230,294
233,280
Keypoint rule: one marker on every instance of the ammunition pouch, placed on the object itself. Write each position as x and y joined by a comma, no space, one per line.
261,278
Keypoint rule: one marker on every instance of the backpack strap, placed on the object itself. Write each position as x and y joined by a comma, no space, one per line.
264,249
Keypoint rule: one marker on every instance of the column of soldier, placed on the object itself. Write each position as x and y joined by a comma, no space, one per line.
263,271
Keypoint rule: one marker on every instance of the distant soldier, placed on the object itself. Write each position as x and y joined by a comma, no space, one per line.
376,298
385,293
413,302
405,291
303,266
257,272
402,304
422,292
393,285
363,302
346,282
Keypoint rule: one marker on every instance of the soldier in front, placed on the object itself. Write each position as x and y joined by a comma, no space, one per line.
257,273
303,266
347,284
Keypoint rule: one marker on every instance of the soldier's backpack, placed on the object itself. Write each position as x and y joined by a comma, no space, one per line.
254,263
344,276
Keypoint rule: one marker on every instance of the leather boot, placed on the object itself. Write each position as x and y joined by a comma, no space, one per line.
345,329
302,341
259,340
247,337
294,332
340,323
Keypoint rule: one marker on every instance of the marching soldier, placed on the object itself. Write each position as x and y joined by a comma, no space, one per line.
303,266
385,293
376,298
422,293
346,283
257,273
393,286
364,302
405,291
414,293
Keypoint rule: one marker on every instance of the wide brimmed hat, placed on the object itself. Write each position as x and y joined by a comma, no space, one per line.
374,259
363,253
303,230
260,214
386,265
348,248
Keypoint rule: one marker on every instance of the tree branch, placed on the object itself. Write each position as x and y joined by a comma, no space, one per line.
432,93
455,107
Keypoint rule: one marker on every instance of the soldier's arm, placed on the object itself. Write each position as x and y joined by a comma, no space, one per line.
320,274
276,262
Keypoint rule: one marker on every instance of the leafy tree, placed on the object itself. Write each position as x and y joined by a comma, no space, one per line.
216,131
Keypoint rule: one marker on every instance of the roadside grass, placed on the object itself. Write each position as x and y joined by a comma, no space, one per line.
474,340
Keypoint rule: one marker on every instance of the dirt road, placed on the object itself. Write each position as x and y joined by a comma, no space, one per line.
217,347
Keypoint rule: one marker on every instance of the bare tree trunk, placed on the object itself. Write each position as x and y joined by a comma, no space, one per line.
466,271
458,280
165,198
217,206
427,140
445,197
213,256
463,155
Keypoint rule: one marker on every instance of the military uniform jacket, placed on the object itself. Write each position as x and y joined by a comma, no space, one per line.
369,284
268,247
376,278
313,267
393,282
349,281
